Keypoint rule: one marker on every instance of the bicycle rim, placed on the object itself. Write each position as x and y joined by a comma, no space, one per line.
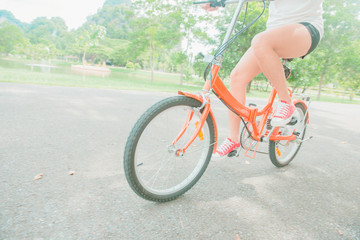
157,172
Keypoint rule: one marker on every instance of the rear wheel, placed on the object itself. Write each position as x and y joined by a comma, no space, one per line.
152,166
283,152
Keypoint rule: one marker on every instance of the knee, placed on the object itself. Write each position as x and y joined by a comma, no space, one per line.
237,79
260,44
234,75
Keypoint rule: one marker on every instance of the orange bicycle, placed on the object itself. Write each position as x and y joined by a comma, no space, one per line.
171,144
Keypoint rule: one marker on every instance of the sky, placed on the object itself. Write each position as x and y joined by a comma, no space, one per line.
74,12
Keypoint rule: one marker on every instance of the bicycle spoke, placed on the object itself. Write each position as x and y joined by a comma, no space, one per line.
199,149
169,174
157,173
147,157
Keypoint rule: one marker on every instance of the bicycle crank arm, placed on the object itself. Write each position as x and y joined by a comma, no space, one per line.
267,138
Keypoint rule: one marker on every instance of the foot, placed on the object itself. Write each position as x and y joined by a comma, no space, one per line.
283,114
225,148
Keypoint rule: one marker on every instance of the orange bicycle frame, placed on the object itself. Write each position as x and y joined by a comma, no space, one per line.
248,114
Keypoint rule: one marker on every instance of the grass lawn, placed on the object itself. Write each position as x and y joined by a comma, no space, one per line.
126,80
123,79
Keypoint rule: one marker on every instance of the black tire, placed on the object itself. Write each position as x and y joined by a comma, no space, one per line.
147,131
276,156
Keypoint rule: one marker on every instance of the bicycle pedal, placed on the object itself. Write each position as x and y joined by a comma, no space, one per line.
233,153
293,121
305,140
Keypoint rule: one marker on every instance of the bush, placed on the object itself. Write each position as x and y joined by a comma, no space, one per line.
130,65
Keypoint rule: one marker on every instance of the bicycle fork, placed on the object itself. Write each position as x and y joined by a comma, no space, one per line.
206,106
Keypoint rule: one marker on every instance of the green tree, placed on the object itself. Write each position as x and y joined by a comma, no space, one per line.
302,73
175,28
156,32
118,55
10,18
110,50
341,27
10,36
351,64
243,42
37,51
194,29
179,58
90,38
115,18
48,31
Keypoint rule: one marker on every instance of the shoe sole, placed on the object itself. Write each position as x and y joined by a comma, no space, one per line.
226,155
218,157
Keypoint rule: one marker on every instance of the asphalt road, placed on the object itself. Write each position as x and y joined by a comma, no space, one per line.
56,131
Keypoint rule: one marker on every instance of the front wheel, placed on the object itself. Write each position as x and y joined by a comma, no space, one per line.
152,166
283,152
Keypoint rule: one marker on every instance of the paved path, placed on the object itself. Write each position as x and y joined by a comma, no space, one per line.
55,130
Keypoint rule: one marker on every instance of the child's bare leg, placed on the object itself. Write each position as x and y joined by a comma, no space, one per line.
242,74
289,41
265,55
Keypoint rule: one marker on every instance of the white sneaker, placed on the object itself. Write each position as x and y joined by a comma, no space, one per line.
283,114
225,148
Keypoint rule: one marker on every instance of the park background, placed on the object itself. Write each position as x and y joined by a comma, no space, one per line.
154,45
62,147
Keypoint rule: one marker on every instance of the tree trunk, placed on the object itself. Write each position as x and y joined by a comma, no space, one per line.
181,74
320,85
83,58
152,61
248,87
